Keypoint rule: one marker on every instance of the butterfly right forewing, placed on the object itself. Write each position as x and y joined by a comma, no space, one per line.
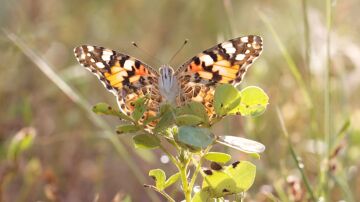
226,62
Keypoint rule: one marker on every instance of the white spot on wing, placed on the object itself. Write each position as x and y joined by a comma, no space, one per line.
244,39
90,48
82,57
230,50
100,65
239,57
207,59
92,60
247,51
227,44
128,64
106,57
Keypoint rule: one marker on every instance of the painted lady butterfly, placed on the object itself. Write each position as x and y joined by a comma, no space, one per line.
129,79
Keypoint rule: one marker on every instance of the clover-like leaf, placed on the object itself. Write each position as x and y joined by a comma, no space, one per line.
159,176
226,98
146,141
105,109
140,106
217,157
166,120
129,128
202,195
241,144
172,179
188,119
195,137
194,108
218,183
243,173
253,102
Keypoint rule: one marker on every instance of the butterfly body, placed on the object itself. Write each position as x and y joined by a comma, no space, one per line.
168,84
130,79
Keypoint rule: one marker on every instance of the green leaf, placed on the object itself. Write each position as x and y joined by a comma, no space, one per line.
146,141
22,141
253,102
243,173
140,106
218,184
150,119
105,109
127,129
202,195
226,98
196,109
188,119
254,155
217,157
159,176
172,179
166,119
195,137
241,144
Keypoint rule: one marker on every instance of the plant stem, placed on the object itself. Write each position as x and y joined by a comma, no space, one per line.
167,196
171,157
187,192
197,169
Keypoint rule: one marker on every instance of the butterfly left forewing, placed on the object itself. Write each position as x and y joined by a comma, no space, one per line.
125,76
226,62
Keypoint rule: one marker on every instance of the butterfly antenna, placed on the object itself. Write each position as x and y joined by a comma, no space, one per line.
178,51
146,52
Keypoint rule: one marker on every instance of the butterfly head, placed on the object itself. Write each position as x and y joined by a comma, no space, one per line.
168,84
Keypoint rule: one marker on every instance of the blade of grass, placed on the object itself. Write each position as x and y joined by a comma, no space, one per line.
80,101
306,37
327,97
289,60
299,165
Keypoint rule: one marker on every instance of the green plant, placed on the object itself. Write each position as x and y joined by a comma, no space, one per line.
187,130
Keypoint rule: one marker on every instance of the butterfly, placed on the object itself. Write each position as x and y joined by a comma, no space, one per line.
130,79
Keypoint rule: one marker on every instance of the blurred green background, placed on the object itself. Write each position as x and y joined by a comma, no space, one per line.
316,89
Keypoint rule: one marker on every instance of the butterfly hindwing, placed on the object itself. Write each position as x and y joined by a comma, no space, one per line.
226,62
123,75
